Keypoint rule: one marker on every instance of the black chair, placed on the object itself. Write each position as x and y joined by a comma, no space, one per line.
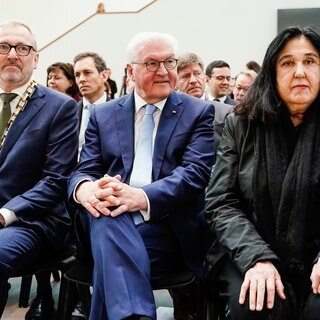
56,263
79,280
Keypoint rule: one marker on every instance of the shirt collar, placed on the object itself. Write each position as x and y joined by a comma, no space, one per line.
102,99
19,91
139,102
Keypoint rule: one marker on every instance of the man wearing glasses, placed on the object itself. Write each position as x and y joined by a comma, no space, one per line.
191,80
140,183
218,81
38,150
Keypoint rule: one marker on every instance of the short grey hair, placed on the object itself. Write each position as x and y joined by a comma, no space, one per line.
250,73
187,59
139,42
9,24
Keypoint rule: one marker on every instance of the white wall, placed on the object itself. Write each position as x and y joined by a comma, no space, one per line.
232,30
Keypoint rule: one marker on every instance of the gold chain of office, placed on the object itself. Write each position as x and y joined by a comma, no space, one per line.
20,106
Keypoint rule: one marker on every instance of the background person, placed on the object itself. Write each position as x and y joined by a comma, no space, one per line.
243,82
60,77
263,199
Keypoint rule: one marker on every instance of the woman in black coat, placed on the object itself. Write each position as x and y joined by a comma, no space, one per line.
263,201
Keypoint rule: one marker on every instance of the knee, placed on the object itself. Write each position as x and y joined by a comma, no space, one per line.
312,307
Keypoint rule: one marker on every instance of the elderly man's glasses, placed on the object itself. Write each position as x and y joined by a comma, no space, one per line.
154,65
21,49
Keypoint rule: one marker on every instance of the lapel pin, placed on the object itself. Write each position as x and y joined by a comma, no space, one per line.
174,112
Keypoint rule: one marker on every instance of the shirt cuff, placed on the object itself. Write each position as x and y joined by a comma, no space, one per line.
9,216
146,213
76,187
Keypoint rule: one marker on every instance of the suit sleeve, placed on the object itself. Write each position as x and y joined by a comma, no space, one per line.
59,150
225,208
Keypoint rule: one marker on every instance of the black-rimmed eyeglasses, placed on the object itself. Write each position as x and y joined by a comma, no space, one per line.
154,65
21,49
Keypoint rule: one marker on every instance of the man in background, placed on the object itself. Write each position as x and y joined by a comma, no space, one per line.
218,78
91,74
191,80
243,82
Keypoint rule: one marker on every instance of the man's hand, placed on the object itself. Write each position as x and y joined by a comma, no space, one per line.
262,279
315,277
90,195
130,199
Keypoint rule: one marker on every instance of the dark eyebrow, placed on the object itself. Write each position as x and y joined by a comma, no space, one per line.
308,54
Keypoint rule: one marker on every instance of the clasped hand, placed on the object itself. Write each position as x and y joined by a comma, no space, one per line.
110,197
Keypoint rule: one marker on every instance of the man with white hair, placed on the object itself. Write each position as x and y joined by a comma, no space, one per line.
141,212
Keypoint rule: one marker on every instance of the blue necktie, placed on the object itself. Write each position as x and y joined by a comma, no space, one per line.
142,165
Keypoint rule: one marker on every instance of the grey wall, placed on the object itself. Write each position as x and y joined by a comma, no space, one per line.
232,30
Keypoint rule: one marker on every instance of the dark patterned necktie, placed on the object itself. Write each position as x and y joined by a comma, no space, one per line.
6,110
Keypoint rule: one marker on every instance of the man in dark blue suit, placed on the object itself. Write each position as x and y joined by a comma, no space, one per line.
38,152
127,255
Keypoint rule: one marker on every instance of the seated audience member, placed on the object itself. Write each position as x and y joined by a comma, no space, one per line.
91,77
243,82
263,199
253,65
60,77
191,80
141,215
218,78
38,151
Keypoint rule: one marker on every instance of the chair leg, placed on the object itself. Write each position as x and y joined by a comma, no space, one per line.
25,288
85,298
56,275
67,299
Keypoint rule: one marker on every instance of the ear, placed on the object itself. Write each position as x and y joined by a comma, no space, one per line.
36,60
104,75
130,72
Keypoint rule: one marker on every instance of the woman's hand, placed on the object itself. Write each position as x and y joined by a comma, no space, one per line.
315,278
261,280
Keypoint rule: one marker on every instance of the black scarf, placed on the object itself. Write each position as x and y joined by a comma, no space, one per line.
286,190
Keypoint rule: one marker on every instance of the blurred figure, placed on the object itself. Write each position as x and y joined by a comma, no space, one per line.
112,85
243,82
253,65
60,77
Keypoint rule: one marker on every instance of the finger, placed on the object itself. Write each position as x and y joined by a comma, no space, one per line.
260,294
270,292
87,205
121,209
253,295
243,291
110,201
280,289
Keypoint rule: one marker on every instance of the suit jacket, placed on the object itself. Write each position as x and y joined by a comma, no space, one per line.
221,110
36,159
229,101
182,161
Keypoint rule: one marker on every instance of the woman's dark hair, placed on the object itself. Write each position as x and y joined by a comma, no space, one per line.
262,99
68,71
253,65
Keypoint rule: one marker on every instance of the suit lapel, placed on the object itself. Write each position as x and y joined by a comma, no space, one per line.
125,127
170,116
31,109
